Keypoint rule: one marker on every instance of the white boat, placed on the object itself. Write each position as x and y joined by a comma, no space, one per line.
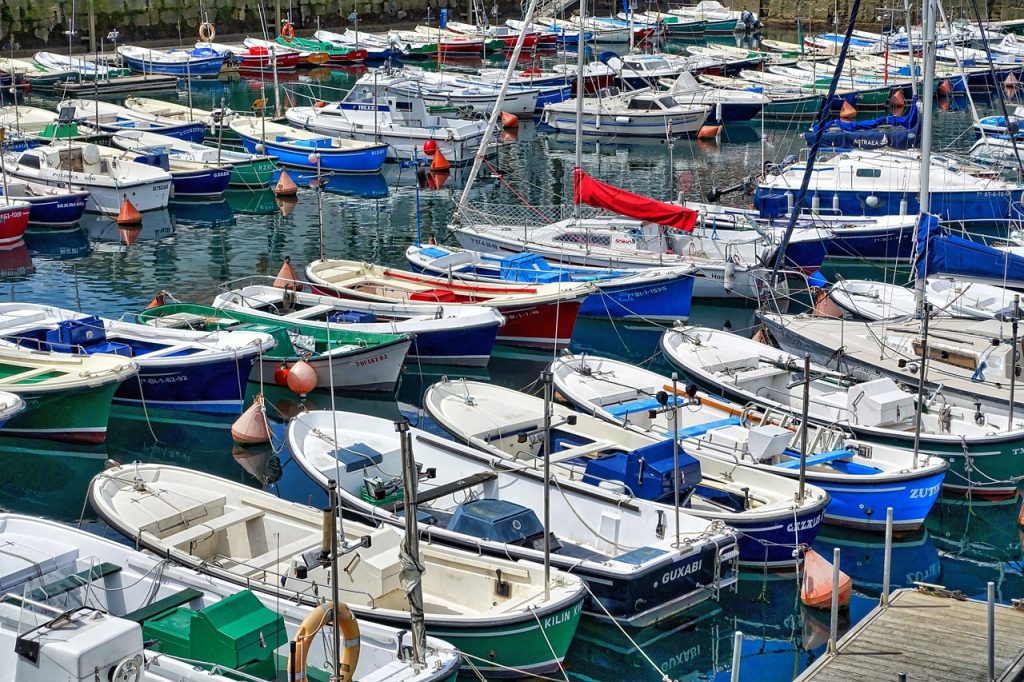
375,111
962,298
25,119
726,105
624,557
871,300
63,62
182,113
589,455
258,541
114,117
627,114
78,166
99,606
858,478
445,90
184,63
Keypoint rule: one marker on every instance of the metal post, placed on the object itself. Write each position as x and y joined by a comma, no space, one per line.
833,630
332,492
1014,355
991,631
737,652
887,561
92,26
547,377
926,308
803,425
675,449
927,91
220,132
412,541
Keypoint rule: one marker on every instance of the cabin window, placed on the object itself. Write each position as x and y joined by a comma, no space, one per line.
29,161
637,103
580,238
403,106
869,172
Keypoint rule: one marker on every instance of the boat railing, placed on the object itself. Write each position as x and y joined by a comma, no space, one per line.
527,215
268,281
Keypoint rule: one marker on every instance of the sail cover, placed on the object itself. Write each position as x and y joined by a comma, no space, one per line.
952,255
600,195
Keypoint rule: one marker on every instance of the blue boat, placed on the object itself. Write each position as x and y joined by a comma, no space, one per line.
199,62
113,118
178,368
897,132
653,294
304,149
947,254
189,180
49,207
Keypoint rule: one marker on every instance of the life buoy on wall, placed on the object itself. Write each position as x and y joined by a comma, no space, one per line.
317,618
207,32
288,32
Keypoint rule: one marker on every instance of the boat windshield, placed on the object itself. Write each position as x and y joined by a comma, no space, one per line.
361,94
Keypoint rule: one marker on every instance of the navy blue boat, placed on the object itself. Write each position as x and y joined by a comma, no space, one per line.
49,207
898,132
178,368
190,180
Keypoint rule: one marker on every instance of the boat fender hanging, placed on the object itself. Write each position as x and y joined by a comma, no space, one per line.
872,200
207,32
281,374
288,32
429,147
302,378
338,616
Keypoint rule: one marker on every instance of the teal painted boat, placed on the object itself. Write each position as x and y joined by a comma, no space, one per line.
788,107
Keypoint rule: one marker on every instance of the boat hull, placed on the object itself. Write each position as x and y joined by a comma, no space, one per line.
56,211
376,369
368,160
215,387
207,183
770,542
463,346
663,301
13,221
74,416
252,174
189,132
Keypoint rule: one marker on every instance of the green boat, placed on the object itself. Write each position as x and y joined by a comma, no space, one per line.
67,397
784,107
313,51
353,360
678,27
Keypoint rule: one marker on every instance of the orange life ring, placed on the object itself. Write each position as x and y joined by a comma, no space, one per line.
317,618
288,32
320,104
207,32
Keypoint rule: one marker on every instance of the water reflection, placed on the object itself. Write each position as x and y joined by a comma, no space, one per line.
101,228
48,479
15,262
59,244
202,213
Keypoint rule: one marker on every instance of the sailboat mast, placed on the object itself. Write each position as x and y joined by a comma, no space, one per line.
910,48
927,92
581,47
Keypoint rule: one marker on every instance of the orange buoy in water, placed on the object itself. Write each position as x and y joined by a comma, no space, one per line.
509,120
129,233
286,205
439,164
251,427
824,306
302,378
708,132
281,374
128,215
285,186
945,88
436,179
816,586
898,100
158,300
848,111
429,147
286,275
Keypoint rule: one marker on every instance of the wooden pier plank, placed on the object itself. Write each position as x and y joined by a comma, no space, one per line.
927,636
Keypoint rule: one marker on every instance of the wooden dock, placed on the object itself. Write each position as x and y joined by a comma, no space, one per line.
929,636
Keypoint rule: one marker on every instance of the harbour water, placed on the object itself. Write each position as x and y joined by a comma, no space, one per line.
192,248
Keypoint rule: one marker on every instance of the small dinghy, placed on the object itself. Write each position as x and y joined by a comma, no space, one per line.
193,63
97,605
178,368
50,207
860,478
634,570
873,301
536,315
442,334
981,448
494,610
303,149
632,467
342,359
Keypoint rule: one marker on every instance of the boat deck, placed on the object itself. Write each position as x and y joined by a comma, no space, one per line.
929,636
121,85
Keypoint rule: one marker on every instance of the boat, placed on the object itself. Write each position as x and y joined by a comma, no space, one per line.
720,19
94,604
66,397
255,540
442,90
374,111
304,149
536,315
350,40
84,67
894,131
309,57
630,469
257,59
177,368
868,300
627,114
10,406
49,207
339,358
859,479
509,36
833,42
82,167
560,34
653,295
635,572
461,335
14,217
336,54
216,120
725,106
979,447
114,118
191,63
189,179
251,171
966,298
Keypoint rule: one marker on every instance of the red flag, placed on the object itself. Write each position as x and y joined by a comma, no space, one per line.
592,192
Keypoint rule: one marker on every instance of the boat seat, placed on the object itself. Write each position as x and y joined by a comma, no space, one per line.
698,430
205,529
23,318
445,489
820,458
306,313
73,582
26,376
164,605
269,559
169,350
624,409
580,451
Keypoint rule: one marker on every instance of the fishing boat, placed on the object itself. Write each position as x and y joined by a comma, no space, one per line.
189,179
631,469
336,54
257,59
447,42
250,171
462,335
67,397
304,149
81,167
635,572
256,541
191,63
627,114
979,447
720,19
84,67
509,36
860,479
340,358
216,120
355,40
178,368
536,315
374,111
310,57
654,294
93,604
49,207
14,217
114,118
